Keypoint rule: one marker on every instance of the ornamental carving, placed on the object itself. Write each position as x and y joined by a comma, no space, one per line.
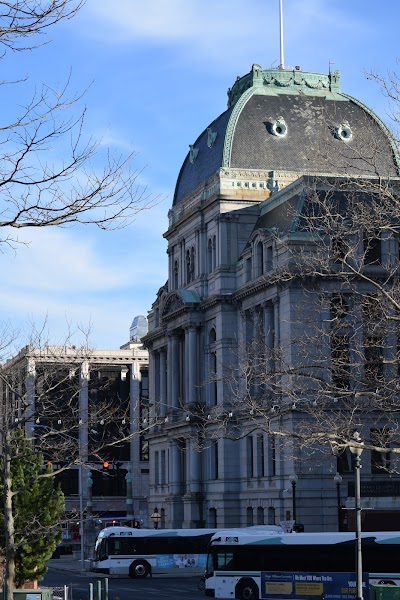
173,303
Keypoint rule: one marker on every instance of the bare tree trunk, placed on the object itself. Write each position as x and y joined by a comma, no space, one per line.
8,521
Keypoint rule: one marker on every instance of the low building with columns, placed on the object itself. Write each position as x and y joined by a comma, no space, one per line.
113,481
229,215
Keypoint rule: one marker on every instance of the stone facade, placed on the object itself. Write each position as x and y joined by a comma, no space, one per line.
239,185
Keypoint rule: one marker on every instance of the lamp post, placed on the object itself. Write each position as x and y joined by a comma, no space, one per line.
129,496
338,480
356,451
156,518
293,480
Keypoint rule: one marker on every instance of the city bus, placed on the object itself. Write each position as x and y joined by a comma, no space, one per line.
127,551
236,559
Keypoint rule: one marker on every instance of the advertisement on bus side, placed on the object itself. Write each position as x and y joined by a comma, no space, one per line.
303,586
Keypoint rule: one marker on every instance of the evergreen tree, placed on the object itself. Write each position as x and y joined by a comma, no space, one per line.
37,507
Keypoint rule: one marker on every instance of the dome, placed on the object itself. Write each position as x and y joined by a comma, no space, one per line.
294,122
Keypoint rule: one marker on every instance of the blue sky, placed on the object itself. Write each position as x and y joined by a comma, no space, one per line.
156,74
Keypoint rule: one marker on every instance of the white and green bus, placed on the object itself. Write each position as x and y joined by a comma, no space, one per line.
237,559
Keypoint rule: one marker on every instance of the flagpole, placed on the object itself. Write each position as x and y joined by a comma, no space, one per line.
282,63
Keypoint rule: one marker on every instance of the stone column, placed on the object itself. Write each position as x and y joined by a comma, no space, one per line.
84,377
269,329
129,496
174,370
175,469
163,383
30,396
135,426
191,364
193,467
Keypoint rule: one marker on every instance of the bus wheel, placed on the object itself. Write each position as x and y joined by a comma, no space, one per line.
246,589
139,569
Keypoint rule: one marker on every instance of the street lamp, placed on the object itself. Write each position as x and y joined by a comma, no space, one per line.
356,451
338,480
293,480
156,518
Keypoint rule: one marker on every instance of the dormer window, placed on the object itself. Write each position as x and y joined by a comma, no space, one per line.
193,152
211,136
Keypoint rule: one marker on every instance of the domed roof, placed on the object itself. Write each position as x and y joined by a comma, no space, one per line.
293,121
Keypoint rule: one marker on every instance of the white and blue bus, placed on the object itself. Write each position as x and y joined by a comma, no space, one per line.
237,559
137,553
132,552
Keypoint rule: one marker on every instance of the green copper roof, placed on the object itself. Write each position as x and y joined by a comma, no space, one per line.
285,81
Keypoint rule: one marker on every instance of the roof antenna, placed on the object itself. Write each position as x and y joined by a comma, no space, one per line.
282,64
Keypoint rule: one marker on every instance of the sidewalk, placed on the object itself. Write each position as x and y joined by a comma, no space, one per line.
71,564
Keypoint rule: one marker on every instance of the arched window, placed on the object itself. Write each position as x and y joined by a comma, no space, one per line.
249,516
192,262
259,259
260,515
213,367
188,267
176,275
271,515
210,256
212,517
214,253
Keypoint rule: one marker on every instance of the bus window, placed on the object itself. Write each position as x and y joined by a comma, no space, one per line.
224,561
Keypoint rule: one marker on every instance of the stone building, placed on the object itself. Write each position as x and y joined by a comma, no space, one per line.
243,181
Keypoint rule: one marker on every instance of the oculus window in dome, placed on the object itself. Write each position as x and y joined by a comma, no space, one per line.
344,132
279,127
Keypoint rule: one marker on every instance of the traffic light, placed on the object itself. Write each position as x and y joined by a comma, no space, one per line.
136,524
106,466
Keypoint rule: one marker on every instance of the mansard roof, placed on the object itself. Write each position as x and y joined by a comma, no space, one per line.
294,121
288,210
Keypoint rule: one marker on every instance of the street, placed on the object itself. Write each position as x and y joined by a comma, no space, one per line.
165,587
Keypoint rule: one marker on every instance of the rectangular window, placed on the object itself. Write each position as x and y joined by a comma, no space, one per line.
156,468
271,455
144,449
163,465
345,461
268,259
373,356
340,250
339,308
372,250
214,473
248,269
250,456
340,361
380,461
260,455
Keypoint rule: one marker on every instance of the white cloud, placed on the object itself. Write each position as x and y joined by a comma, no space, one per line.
178,20
58,260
